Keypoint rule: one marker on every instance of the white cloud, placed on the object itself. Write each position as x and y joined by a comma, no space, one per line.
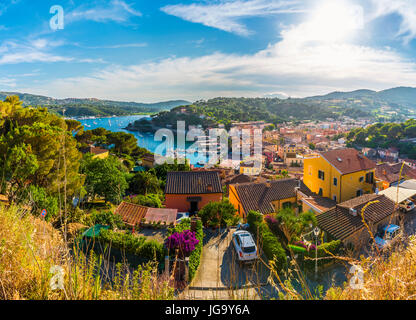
117,11
302,63
226,14
406,9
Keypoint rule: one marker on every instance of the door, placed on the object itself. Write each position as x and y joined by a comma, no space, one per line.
194,206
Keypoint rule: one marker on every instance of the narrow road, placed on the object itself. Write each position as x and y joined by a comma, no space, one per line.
221,277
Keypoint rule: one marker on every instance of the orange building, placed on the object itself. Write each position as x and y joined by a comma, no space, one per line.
191,191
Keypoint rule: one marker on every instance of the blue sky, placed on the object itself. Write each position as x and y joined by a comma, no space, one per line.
160,50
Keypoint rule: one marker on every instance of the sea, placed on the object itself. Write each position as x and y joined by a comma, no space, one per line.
144,140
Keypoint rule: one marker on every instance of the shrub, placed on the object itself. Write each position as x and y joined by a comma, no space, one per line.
270,244
184,241
333,247
216,214
195,256
107,218
138,246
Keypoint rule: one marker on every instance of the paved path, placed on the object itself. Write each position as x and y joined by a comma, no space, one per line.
220,276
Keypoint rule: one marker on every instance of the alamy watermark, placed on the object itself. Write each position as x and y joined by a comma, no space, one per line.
245,145
357,280
57,22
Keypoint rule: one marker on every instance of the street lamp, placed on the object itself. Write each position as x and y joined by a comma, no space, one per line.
316,233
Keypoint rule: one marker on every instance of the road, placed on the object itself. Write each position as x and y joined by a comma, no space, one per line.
221,277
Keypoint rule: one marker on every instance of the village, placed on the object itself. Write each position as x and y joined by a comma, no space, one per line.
218,226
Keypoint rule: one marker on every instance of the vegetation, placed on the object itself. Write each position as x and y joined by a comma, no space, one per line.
195,256
272,248
385,136
219,214
93,107
30,249
106,178
139,246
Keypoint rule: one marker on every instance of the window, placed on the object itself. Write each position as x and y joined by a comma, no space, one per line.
359,193
369,177
287,205
321,175
321,192
334,198
361,179
335,181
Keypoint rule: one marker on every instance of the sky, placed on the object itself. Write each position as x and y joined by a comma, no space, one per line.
151,50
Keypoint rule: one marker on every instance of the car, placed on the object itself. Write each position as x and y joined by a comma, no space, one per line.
387,236
245,246
181,216
407,206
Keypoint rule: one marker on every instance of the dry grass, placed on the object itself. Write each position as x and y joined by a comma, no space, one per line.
392,278
30,247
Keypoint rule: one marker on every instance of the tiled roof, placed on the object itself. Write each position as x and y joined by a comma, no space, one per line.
391,172
258,196
193,182
348,160
132,214
340,223
95,150
164,215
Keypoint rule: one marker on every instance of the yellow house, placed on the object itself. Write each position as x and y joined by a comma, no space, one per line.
340,174
268,197
250,169
98,153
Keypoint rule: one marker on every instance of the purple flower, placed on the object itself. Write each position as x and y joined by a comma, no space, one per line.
185,242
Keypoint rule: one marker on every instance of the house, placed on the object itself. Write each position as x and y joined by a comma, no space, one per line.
148,160
98,153
345,222
191,191
267,197
250,169
410,162
4,200
133,214
340,174
389,174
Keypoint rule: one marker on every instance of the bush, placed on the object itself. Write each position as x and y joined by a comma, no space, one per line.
107,218
40,199
332,247
216,214
270,244
138,246
195,256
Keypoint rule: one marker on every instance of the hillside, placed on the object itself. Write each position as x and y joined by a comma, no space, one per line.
93,107
394,104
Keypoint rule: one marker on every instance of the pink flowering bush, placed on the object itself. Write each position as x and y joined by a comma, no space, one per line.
184,241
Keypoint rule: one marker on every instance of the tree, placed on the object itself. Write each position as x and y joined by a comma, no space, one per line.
144,183
293,225
106,178
33,138
149,200
219,214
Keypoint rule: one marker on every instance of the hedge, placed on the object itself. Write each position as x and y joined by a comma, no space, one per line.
332,247
138,246
271,246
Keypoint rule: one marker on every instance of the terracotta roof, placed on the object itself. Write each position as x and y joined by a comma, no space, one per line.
94,150
132,214
340,223
193,182
348,160
321,203
391,172
258,196
164,215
